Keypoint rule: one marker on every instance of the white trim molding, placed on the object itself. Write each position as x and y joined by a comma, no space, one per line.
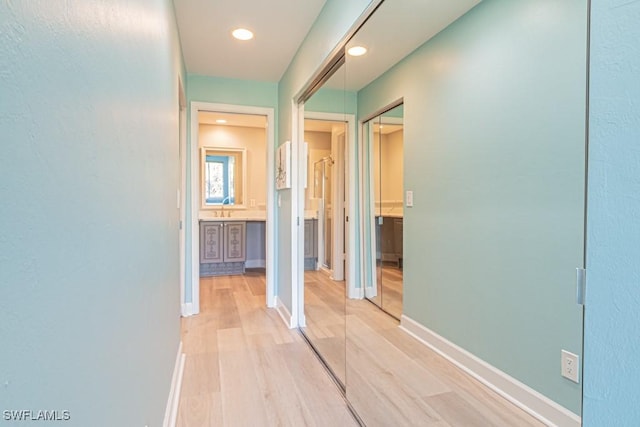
521,395
171,411
285,314
187,309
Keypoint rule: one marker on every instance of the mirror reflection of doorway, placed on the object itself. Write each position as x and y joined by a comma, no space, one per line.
322,182
324,277
386,145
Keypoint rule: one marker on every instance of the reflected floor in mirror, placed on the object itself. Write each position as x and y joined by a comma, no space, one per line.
392,379
392,290
324,301
244,367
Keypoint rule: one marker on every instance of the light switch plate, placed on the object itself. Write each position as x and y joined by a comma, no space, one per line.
409,199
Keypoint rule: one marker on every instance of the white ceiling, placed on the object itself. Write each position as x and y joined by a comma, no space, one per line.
279,26
242,120
395,30
386,129
313,125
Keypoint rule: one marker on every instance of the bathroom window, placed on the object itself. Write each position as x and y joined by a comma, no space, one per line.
223,177
218,182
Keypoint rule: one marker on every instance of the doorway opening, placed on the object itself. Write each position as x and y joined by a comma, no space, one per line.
232,197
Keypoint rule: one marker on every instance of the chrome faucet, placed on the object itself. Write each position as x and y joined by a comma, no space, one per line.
226,199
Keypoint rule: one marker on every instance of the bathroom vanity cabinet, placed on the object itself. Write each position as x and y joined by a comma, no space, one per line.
389,237
229,247
222,247
310,244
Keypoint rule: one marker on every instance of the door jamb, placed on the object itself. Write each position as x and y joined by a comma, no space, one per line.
182,191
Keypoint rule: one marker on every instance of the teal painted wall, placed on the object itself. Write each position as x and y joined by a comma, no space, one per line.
219,90
328,100
611,391
89,271
333,22
494,152
231,91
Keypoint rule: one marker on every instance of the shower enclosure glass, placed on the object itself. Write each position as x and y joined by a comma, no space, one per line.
322,191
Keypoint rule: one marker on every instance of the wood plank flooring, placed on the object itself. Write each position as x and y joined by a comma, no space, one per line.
392,379
324,310
243,367
389,284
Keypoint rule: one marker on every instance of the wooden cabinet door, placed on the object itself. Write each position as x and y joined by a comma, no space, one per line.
234,241
210,242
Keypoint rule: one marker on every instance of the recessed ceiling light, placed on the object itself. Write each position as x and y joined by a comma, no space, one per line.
221,121
242,34
357,50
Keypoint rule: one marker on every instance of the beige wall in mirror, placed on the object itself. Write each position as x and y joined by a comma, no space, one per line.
388,180
248,145
319,147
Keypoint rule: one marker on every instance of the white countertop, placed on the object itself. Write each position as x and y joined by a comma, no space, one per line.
231,219
391,214
238,215
233,215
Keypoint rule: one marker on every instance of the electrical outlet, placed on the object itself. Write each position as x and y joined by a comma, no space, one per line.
570,364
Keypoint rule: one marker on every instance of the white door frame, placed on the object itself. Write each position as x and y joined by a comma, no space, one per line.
195,197
182,190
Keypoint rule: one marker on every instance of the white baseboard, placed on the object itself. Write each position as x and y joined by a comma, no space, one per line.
521,395
255,263
171,411
187,309
355,293
286,316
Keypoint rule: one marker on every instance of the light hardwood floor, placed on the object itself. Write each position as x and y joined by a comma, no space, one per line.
324,310
389,295
245,368
392,379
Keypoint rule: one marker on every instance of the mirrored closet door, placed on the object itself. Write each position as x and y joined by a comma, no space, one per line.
491,102
325,139
385,143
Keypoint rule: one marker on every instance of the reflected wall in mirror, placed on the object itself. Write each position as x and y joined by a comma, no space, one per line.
385,142
233,158
494,145
325,136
